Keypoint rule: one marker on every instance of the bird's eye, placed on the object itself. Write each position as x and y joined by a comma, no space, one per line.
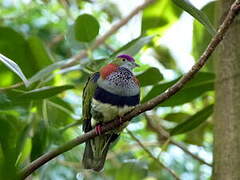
124,59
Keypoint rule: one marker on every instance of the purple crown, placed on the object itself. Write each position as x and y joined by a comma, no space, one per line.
125,56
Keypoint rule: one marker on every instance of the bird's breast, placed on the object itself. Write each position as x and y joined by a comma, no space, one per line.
121,83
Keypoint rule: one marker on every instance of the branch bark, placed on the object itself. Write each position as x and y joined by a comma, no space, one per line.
234,10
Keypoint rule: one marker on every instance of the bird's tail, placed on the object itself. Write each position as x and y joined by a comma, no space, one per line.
96,151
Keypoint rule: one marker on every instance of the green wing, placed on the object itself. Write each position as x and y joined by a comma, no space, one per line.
88,93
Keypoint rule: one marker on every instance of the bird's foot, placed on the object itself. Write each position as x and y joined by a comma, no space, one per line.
98,129
120,119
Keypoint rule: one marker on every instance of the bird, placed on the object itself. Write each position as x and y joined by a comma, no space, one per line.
108,94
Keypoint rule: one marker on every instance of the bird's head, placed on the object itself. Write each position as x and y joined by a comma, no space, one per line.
126,61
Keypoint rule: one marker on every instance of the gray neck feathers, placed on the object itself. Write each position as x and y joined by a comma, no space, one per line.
120,82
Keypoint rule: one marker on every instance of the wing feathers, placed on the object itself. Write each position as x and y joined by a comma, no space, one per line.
88,93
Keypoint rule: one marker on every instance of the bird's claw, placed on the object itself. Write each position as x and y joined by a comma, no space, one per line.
120,119
98,129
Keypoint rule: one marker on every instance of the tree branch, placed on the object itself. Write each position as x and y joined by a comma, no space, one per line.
161,132
234,10
152,156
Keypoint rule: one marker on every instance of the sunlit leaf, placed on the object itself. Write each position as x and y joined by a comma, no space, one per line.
158,16
14,68
25,152
86,28
193,121
199,15
134,46
23,144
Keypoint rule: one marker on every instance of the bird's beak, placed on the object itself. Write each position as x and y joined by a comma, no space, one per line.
135,64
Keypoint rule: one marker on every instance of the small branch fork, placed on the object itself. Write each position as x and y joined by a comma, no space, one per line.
234,10
152,156
162,133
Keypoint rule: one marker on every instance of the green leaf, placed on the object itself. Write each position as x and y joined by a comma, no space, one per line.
164,56
188,94
62,103
41,56
39,140
22,139
134,46
23,144
131,171
158,16
15,47
196,136
149,77
26,151
193,121
46,71
42,93
176,117
201,37
4,99
157,90
197,14
201,83
58,115
86,28
14,68
8,135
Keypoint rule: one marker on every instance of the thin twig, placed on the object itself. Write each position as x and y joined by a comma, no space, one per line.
56,40
234,10
97,43
152,156
162,133
112,30
12,86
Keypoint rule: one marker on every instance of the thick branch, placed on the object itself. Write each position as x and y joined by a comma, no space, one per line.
152,156
235,8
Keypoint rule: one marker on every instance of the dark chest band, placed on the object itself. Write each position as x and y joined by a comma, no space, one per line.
106,97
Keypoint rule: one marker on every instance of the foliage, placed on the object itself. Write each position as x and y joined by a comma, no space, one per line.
37,40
